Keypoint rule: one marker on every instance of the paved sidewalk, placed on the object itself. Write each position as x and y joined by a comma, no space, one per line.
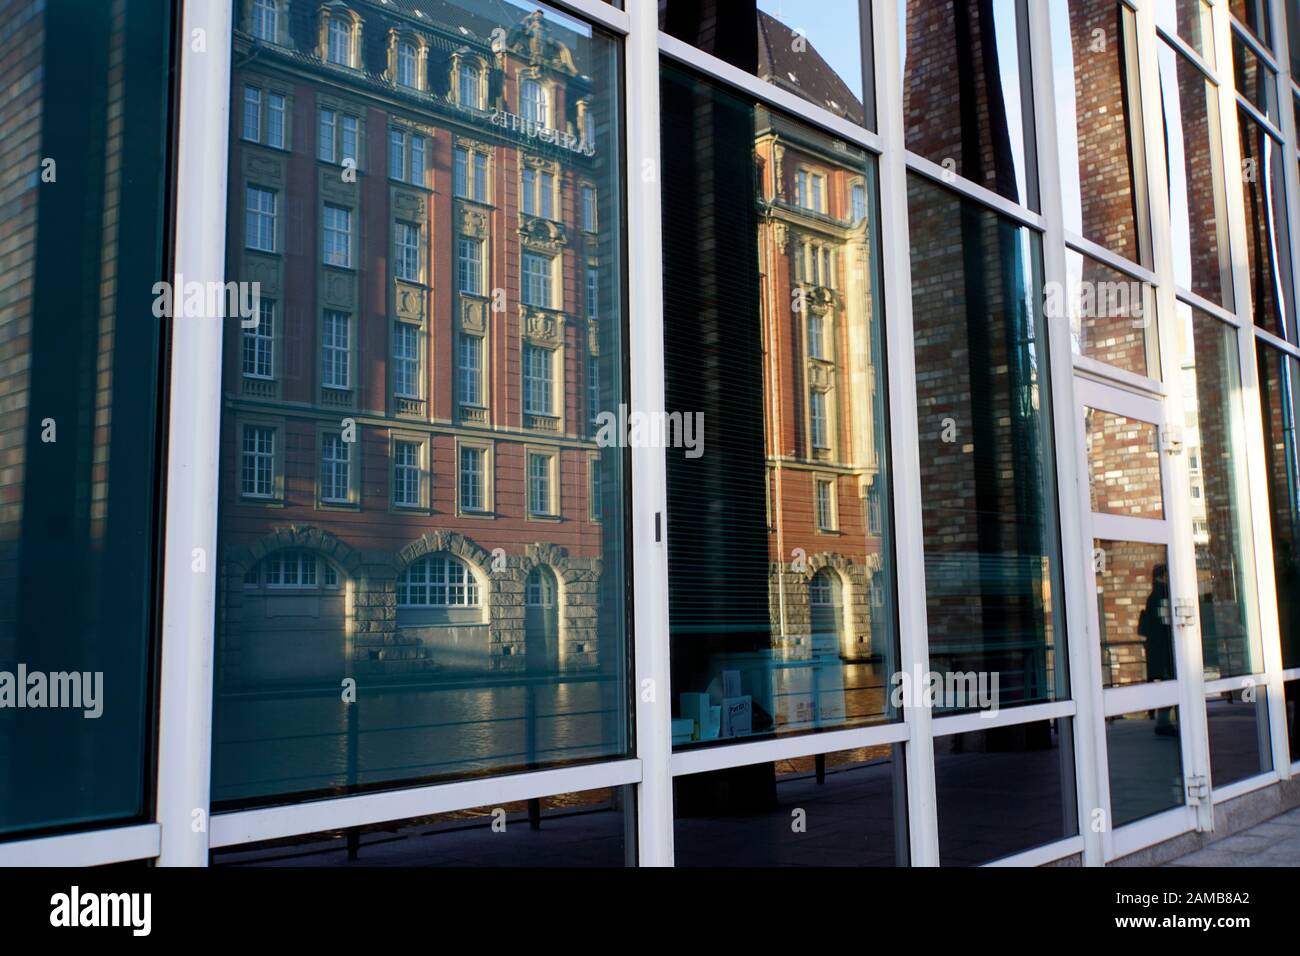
1274,842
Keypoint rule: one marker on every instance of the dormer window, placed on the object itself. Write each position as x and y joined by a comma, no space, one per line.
532,102
339,42
265,21
407,75
470,86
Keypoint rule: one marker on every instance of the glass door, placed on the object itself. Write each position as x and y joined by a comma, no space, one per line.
1140,622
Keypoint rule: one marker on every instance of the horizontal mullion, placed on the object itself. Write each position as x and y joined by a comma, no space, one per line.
999,203
597,11
1108,527
1113,259
313,816
92,848
1277,342
1002,717
1092,371
1134,697
773,96
722,757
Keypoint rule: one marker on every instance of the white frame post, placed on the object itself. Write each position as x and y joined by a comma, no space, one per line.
904,429
653,690
189,596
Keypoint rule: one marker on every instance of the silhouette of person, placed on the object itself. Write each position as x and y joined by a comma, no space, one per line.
1155,628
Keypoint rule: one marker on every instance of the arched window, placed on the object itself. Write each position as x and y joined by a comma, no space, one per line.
532,102
265,21
821,590
471,94
339,47
438,580
407,74
292,569
539,590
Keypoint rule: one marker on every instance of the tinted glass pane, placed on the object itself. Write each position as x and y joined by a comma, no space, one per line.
1214,443
1268,247
1100,125
1255,15
1292,689
1144,753
836,809
82,171
991,559
1112,316
1003,791
1254,80
1123,465
1196,190
569,829
967,102
1134,612
415,584
814,50
780,596
1190,20
1293,34
1279,380
1239,744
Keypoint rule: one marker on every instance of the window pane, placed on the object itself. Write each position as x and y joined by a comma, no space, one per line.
1123,465
1254,79
814,50
965,104
565,830
1004,790
1268,245
88,84
1100,125
1112,316
835,809
1134,612
1190,21
750,655
1254,14
989,513
1144,753
425,610
1239,742
1214,443
1279,391
1195,177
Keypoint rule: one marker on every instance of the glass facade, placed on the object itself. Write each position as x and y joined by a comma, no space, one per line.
84,151
415,649
615,424
778,547
991,556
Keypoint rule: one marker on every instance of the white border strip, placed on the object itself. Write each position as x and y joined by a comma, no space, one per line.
295,819
705,759
1005,717
95,848
1240,788
1041,855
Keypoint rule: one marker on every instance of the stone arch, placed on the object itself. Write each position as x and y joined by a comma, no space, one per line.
312,641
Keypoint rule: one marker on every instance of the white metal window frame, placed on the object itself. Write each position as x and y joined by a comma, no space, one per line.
182,834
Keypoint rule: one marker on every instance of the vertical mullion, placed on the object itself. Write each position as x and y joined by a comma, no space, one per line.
1253,424
1071,467
649,474
189,594
908,536
1176,482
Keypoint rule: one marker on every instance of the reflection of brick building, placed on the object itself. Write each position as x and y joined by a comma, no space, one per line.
409,479
988,503
821,368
